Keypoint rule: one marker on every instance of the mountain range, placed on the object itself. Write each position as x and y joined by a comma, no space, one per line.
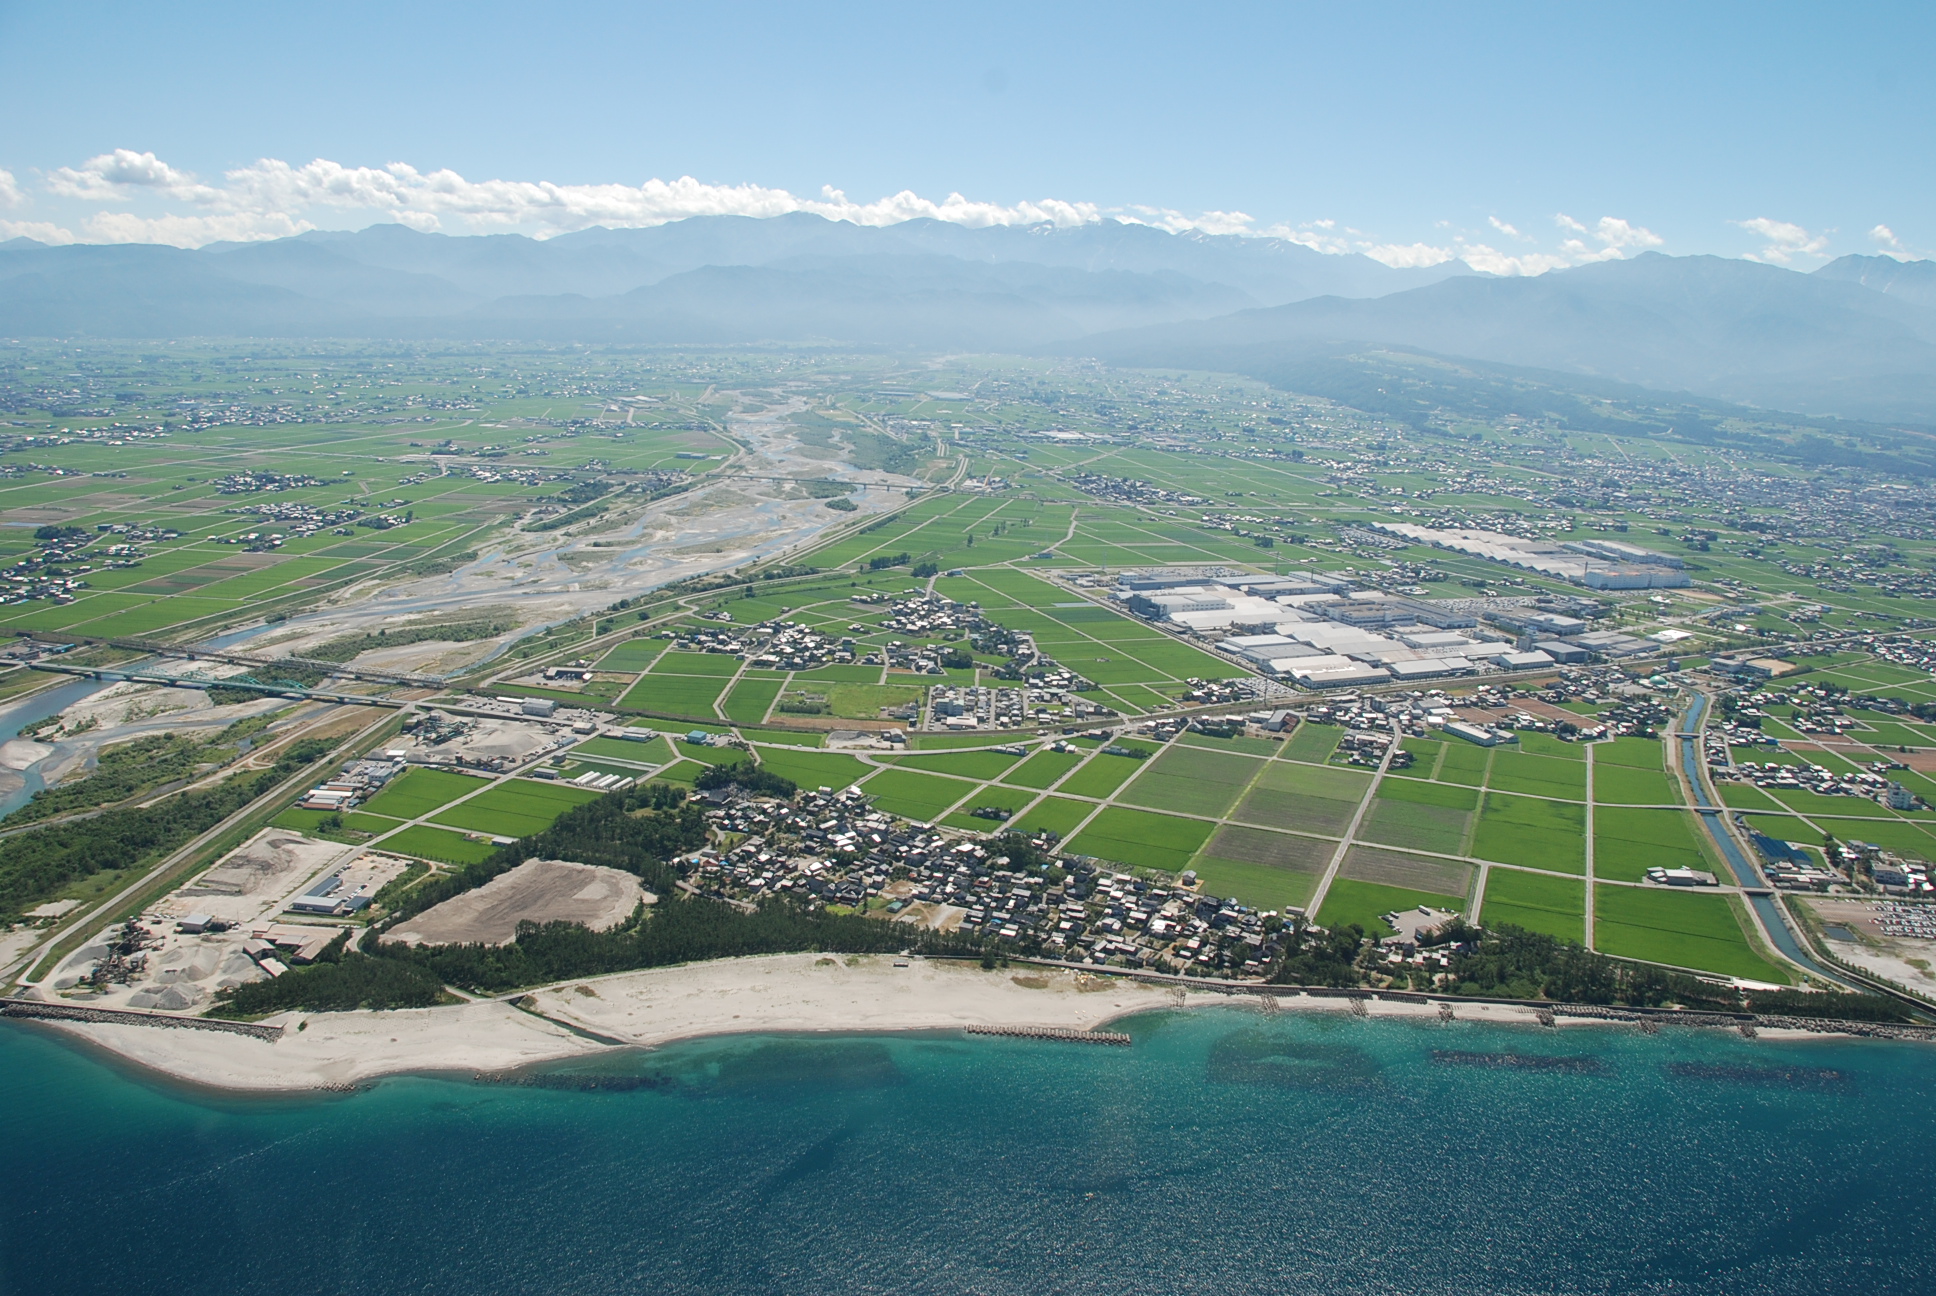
709,279
1856,338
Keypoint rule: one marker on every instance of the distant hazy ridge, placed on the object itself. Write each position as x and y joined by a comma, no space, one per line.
1856,338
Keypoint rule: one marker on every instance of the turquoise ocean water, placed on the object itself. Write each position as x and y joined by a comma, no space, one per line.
1226,1152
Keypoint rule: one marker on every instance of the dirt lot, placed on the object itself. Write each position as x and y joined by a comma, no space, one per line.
1907,960
539,891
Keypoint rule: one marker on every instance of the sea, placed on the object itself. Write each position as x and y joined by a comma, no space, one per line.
1224,1152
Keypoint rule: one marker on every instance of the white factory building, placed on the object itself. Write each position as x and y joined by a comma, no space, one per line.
1322,635
1596,564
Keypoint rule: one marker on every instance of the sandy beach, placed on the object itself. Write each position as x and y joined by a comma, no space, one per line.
775,993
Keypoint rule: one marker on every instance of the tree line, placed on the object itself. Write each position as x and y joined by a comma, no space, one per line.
39,864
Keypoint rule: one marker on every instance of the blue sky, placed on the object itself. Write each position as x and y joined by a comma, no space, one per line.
1413,131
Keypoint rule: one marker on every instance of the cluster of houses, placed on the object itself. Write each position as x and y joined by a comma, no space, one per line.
1123,490
299,519
248,483
986,707
1809,777
833,848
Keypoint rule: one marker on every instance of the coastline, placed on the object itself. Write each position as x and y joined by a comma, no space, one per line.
765,994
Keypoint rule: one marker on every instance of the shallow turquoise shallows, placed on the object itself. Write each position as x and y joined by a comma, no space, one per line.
1224,1153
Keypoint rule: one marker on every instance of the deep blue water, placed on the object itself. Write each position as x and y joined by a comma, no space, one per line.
1225,1152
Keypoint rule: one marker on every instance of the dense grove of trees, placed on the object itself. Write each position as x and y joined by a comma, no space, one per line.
1510,962
338,981
748,776
122,771
36,865
1328,958
683,930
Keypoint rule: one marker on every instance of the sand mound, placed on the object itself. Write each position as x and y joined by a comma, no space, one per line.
539,891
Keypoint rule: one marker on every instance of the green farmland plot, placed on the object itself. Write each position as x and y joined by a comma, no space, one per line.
750,699
1101,776
515,808
1193,781
1463,762
440,845
1058,815
633,655
417,792
814,769
655,751
1541,776
1556,906
1305,798
1264,869
1643,753
1141,838
913,795
674,695
1705,932
1744,796
1539,744
1633,785
1420,815
1627,842
1312,742
1365,903
692,663
1538,834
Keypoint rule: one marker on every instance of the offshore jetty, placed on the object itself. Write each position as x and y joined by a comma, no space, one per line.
1054,1033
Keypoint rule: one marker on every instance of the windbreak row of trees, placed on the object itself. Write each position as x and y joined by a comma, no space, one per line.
37,865
1508,962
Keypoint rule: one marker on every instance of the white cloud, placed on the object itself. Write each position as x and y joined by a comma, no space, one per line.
1163,218
191,231
1890,246
1490,260
1784,242
142,198
39,231
271,198
1613,234
124,173
1318,235
1616,233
